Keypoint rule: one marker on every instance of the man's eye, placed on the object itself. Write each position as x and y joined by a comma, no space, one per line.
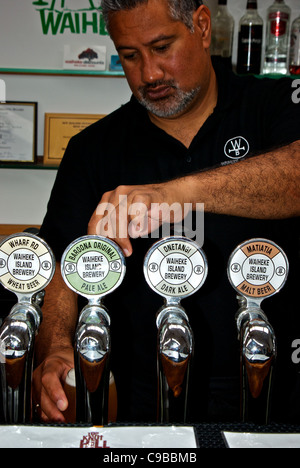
162,48
129,56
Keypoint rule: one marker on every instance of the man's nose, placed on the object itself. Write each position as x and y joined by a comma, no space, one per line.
151,70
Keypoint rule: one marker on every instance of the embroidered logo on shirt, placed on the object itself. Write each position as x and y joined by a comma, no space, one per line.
236,148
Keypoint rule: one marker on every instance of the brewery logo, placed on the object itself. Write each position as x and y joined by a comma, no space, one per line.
93,440
236,148
70,16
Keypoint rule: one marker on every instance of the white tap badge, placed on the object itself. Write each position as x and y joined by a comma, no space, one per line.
26,264
175,267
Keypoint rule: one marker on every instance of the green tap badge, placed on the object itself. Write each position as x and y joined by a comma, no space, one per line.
93,266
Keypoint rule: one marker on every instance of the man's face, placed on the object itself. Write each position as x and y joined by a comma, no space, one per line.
165,63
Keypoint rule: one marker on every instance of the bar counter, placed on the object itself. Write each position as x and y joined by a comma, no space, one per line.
185,439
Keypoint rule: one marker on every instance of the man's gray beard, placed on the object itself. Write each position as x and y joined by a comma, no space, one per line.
169,106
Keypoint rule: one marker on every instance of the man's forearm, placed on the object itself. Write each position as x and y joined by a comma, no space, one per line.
59,318
262,187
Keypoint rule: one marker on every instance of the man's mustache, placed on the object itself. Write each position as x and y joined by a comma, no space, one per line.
168,83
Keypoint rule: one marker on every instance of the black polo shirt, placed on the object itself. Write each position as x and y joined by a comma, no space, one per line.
252,116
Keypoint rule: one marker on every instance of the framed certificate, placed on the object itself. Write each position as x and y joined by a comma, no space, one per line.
59,128
18,125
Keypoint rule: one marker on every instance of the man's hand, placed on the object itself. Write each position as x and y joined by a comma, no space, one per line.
245,189
54,351
48,394
135,211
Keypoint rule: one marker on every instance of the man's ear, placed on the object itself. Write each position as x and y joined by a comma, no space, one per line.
202,21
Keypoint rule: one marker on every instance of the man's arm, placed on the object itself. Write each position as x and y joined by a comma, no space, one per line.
261,187
54,348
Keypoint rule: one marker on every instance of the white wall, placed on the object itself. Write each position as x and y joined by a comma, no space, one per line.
68,94
24,193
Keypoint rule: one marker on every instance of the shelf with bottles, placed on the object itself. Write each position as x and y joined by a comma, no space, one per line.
279,39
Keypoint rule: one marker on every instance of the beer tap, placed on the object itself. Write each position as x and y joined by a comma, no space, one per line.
175,268
26,267
92,351
257,269
93,267
175,352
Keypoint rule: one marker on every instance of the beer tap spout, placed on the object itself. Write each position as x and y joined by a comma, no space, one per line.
92,351
27,267
17,337
257,269
175,352
257,357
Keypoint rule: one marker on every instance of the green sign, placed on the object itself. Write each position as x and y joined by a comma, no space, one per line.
73,16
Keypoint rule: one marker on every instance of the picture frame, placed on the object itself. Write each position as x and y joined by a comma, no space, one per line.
59,128
18,132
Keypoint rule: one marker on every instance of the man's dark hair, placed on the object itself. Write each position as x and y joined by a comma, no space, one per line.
180,10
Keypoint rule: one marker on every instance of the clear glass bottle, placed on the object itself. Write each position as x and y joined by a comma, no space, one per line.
222,32
277,38
295,48
250,41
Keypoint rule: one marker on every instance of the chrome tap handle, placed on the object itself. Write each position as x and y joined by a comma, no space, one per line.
92,352
26,267
258,356
174,268
175,350
257,269
93,267
17,338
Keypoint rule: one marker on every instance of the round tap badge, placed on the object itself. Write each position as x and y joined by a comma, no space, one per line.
175,267
27,264
93,266
258,268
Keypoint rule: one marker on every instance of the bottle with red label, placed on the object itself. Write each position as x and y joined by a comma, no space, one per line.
277,38
295,48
